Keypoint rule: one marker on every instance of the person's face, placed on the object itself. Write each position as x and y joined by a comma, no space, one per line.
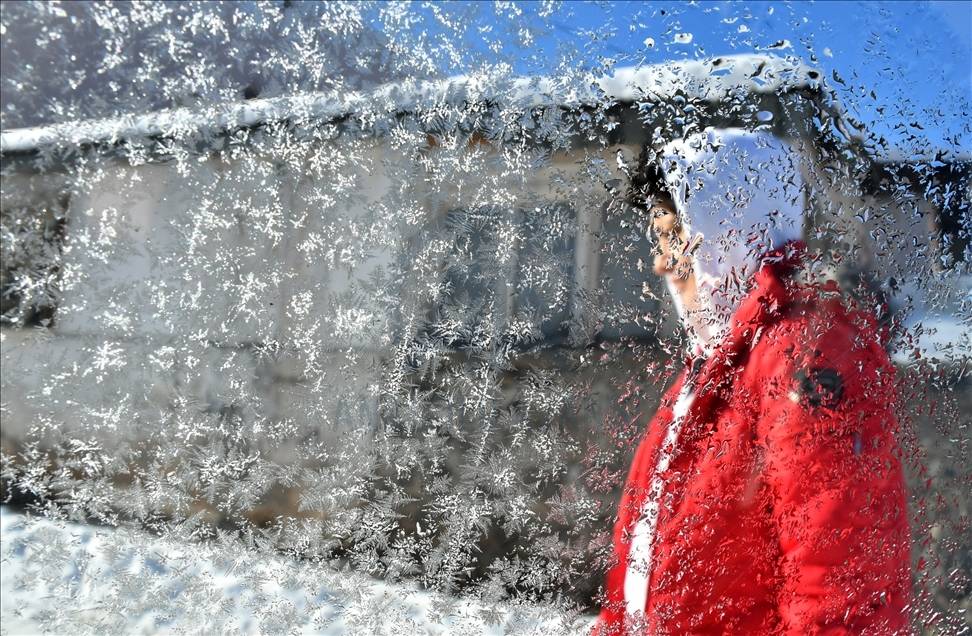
673,258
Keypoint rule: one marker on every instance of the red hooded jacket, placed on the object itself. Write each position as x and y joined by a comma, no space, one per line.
784,507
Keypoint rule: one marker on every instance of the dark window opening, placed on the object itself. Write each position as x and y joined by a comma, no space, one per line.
509,279
31,240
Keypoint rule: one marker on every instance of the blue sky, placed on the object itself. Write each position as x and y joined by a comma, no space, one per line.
915,57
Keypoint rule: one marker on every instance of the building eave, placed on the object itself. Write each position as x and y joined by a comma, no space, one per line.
711,80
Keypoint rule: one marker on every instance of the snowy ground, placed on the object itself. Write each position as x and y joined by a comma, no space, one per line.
64,578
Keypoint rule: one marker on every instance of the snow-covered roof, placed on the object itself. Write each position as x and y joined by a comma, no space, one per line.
710,80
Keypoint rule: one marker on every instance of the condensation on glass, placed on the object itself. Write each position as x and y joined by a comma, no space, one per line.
361,289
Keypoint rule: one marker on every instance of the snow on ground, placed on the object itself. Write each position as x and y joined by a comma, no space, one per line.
63,578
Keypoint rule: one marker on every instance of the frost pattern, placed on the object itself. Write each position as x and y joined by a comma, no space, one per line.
356,288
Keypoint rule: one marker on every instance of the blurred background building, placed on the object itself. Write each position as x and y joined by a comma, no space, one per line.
400,319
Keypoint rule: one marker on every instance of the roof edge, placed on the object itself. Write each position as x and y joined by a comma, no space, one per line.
710,79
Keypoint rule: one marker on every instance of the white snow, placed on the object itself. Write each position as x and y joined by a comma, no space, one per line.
710,80
65,578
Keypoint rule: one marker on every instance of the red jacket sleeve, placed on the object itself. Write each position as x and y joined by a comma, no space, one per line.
828,433
611,620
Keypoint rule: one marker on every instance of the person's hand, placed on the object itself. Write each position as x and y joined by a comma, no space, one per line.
680,263
678,254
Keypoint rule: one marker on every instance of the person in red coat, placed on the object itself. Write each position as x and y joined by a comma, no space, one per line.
767,494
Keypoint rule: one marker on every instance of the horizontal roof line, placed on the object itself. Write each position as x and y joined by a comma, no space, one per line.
709,80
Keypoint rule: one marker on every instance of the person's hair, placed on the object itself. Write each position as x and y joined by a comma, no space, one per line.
647,184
